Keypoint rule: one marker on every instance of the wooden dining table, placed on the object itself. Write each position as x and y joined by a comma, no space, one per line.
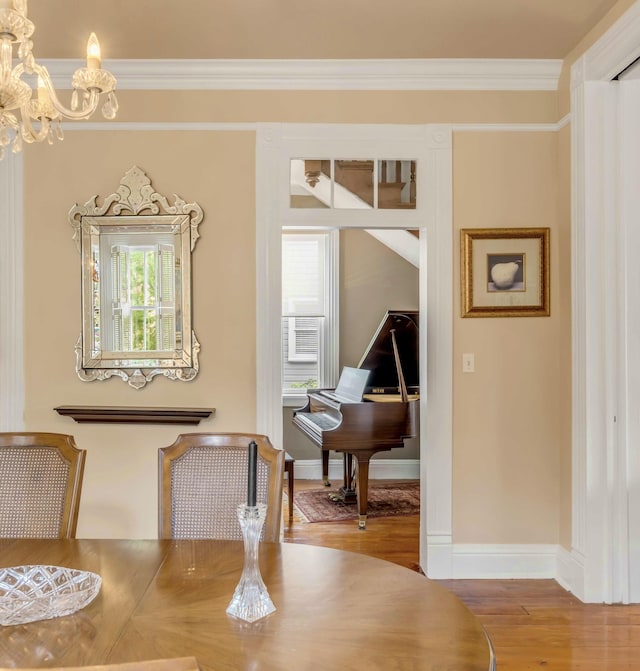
335,610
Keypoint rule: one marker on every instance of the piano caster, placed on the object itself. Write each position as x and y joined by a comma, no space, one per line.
362,522
326,483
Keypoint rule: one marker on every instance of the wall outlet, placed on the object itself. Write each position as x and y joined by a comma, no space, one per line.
468,363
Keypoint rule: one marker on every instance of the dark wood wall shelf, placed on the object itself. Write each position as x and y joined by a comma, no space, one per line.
133,415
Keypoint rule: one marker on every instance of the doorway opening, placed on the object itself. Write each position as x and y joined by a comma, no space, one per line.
430,148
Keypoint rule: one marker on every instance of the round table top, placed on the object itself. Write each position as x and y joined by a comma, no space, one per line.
161,599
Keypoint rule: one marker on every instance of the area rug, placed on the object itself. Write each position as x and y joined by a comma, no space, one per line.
384,500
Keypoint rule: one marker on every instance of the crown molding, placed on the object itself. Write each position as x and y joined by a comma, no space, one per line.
346,75
612,53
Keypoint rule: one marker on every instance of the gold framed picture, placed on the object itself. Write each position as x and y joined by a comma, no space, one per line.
504,272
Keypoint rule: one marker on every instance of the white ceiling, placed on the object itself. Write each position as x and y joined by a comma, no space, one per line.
298,29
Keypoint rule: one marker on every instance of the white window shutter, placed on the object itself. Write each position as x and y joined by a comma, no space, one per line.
303,275
305,309
167,294
120,292
304,338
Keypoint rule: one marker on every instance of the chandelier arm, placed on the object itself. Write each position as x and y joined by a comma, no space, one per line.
9,120
89,106
29,131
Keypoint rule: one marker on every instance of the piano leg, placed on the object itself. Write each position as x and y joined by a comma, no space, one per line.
325,468
347,492
363,489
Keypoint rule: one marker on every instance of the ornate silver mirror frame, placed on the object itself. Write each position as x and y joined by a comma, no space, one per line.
135,253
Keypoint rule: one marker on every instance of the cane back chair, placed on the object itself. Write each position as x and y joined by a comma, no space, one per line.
40,485
202,478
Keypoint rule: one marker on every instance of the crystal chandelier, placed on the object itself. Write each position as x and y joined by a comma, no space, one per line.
19,108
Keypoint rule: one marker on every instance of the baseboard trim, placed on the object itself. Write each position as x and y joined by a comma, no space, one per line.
518,561
447,560
439,560
379,469
504,561
570,572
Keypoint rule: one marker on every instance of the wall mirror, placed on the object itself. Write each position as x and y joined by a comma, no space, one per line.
135,250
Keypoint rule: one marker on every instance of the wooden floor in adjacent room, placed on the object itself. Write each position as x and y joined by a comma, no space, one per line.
533,624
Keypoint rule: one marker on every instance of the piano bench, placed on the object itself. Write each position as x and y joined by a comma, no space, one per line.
289,461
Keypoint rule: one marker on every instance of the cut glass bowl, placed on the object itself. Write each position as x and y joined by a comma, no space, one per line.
30,593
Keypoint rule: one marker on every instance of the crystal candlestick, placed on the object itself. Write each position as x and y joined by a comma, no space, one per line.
251,601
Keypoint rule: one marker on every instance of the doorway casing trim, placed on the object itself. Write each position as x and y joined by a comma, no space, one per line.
12,391
431,147
599,566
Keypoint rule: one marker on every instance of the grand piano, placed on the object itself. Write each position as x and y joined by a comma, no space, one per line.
382,420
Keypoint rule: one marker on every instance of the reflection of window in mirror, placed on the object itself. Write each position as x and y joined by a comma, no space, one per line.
136,284
140,278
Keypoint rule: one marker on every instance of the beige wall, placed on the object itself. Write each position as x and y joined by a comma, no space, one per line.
509,416
512,452
509,435
341,106
373,279
119,493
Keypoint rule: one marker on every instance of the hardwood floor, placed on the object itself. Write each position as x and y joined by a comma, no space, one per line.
533,624
536,624
384,537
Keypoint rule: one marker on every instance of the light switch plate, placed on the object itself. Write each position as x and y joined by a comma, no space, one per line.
468,363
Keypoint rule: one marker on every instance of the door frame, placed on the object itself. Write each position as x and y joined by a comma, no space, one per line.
12,389
430,146
602,448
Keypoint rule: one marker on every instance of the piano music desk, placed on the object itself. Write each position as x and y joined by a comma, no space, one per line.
388,398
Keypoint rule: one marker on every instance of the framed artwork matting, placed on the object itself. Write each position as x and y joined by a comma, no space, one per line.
504,272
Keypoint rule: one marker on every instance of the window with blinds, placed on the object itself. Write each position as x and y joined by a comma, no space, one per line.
306,310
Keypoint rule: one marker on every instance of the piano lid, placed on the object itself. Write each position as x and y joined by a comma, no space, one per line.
379,359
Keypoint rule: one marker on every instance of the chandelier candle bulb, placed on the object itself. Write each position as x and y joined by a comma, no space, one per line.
43,95
93,53
252,479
